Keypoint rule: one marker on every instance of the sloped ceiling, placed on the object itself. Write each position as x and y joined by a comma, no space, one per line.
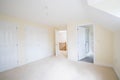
110,6
51,12
105,12
105,19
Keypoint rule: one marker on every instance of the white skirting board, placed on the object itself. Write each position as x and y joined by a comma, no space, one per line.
106,65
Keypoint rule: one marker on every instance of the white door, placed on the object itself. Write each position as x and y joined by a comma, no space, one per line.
57,42
81,42
8,46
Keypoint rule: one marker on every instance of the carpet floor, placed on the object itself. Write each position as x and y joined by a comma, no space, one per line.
59,68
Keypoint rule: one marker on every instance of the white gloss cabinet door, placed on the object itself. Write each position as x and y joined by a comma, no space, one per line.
8,46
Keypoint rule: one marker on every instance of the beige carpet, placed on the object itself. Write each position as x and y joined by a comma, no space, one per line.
59,68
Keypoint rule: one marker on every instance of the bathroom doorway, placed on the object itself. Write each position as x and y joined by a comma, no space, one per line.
85,43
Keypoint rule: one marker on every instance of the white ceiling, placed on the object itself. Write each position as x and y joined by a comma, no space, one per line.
94,2
103,18
105,12
62,12
110,6
49,12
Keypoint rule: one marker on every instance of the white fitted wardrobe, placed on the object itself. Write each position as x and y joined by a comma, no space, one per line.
8,46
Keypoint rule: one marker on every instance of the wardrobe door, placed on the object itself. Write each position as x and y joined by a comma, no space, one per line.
36,43
8,46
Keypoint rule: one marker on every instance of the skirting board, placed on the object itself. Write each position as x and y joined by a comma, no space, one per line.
104,65
117,72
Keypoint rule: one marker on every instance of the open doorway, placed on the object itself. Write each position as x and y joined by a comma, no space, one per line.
85,43
61,43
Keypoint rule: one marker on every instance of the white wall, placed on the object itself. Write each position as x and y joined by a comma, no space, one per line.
117,53
103,46
72,42
62,36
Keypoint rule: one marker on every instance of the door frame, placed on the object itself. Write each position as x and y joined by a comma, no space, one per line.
91,25
56,43
57,51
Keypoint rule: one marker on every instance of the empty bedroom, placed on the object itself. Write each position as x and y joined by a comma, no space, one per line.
59,40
